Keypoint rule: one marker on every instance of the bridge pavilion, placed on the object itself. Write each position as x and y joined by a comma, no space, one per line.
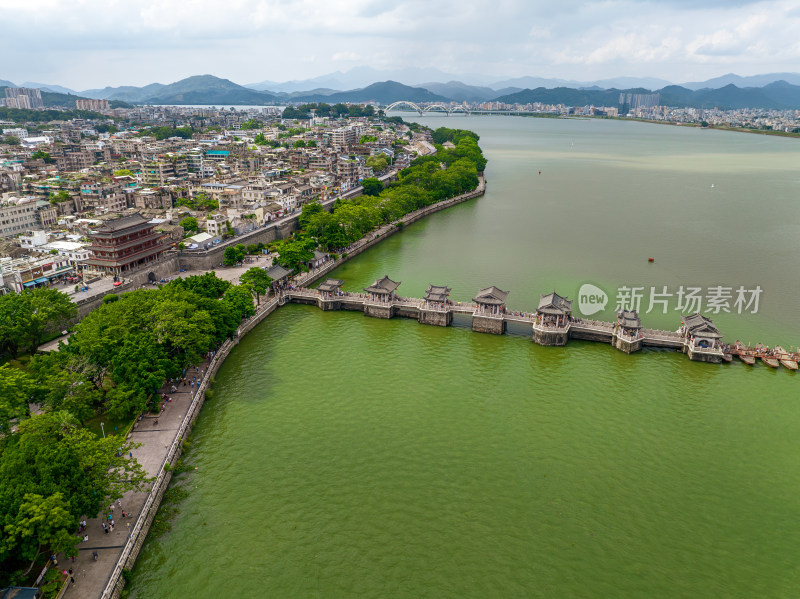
552,322
330,288
437,308
702,340
628,331
382,290
437,295
490,309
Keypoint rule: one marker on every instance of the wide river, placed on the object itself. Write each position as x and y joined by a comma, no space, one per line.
349,457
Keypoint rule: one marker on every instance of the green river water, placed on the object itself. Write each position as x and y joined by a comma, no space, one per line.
343,456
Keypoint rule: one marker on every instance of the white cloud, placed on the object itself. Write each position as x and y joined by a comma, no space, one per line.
83,43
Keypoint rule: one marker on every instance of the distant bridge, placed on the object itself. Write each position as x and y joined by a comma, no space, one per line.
427,108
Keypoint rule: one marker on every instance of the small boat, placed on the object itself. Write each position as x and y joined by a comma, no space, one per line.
727,357
766,356
786,359
745,354
651,259
770,361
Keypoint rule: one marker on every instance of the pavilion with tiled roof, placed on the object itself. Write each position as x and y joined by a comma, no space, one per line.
382,290
437,294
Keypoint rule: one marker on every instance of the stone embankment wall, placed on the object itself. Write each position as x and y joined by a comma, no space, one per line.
133,546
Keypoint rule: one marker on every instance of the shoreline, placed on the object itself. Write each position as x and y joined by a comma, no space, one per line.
165,460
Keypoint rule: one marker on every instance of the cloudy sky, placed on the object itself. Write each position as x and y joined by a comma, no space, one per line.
93,43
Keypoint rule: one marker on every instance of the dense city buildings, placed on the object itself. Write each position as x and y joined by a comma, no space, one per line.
185,178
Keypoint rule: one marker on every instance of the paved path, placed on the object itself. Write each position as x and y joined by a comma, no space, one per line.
90,576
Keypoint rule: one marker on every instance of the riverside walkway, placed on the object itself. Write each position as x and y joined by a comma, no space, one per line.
161,442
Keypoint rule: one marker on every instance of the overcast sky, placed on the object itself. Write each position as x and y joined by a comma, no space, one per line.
93,43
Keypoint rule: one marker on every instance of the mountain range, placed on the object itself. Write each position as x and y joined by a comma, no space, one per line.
778,95
771,91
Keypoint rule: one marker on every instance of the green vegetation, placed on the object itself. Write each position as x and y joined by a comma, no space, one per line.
427,180
378,163
367,138
60,197
26,318
323,110
189,224
202,201
42,155
166,132
234,254
251,124
372,186
124,172
52,472
25,115
261,140
257,280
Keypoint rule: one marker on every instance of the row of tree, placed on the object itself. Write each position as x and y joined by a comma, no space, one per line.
53,470
322,110
427,180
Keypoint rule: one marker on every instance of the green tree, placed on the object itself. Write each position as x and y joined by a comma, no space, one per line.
300,143
293,254
124,172
239,301
27,317
308,212
60,197
16,390
52,455
42,155
378,163
232,255
258,281
41,524
251,124
372,186
189,223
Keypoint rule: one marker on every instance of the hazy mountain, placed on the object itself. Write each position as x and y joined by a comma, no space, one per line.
128,93
509,90
199,89
534,83
741,82
628,82
268,86
649,83
460,92
384,92
568,96
207,89
359,77
779,95
60,89
321,91
4,83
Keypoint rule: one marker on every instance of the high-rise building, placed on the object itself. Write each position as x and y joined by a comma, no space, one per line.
24,97
91,104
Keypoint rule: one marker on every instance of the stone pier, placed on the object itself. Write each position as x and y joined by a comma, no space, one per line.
626,344
437,318
378,310
495,325
550,336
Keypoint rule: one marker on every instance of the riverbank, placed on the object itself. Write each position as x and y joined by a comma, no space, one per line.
161,438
